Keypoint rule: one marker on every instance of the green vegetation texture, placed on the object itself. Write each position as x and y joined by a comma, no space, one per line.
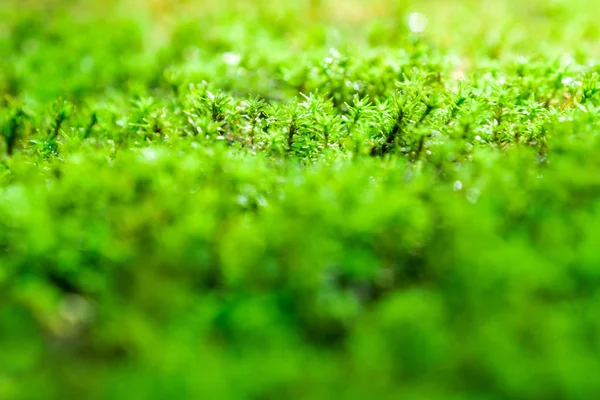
299,199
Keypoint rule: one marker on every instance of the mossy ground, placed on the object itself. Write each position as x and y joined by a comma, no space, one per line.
299,199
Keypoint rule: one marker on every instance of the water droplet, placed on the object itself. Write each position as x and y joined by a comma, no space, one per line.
457,186
473,195
148,154
75,309
417,22
334,53
242,200
262,201
232,59
568,81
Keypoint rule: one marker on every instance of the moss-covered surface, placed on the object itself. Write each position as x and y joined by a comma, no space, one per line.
299,199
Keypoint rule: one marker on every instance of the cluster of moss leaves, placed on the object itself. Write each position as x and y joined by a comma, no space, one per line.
237,200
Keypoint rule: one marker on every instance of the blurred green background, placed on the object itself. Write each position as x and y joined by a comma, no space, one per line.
79,48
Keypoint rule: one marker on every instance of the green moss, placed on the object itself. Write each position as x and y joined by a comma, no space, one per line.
313,200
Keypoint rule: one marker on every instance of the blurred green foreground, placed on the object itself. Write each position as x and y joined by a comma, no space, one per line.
299,199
